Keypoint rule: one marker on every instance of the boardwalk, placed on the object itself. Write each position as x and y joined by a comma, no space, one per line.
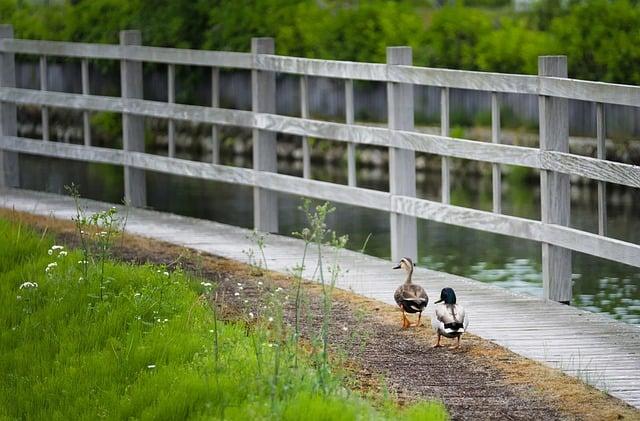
598,350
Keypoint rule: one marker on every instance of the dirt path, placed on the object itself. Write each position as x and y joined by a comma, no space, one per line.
479,381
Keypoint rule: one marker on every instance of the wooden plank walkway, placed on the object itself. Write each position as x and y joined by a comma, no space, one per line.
601,351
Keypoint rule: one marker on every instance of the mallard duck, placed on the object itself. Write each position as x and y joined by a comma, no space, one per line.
450,319
411,298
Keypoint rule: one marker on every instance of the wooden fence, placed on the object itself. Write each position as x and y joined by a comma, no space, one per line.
552,158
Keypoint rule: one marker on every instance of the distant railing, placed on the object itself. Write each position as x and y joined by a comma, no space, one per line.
553,159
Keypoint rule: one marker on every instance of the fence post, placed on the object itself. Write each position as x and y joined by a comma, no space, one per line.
402,163
135,189
263,100
9,170
555,187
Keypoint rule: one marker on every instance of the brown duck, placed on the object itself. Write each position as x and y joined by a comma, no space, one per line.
410,297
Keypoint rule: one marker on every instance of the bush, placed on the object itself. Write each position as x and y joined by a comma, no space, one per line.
600,38
513,48
453,37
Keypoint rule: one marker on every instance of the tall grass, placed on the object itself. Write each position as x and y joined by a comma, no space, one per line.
123,341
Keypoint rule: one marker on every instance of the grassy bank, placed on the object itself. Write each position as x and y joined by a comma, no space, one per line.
117,341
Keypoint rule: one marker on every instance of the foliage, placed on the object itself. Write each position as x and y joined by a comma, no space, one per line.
513,48
337,31
453,37
600,38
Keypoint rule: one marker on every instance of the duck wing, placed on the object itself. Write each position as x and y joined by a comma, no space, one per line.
413,298
450,319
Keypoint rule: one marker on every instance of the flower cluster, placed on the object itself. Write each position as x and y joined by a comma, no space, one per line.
50,267
58,250
29,285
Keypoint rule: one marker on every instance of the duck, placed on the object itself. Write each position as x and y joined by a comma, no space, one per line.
450,319
410,297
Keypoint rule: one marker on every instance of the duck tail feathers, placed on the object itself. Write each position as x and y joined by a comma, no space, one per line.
414,305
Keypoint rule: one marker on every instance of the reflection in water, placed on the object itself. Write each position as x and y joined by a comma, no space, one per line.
599,285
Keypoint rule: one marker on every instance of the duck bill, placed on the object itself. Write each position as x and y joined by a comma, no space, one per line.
396,267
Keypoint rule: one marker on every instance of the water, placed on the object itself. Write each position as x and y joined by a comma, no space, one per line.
599,285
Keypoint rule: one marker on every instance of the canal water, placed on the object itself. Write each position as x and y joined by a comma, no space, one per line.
599,285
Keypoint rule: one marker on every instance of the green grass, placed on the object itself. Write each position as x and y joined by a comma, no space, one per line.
146,350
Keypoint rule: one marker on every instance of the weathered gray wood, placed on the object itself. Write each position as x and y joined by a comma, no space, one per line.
444,131
496,82
304,113
596,169
263,100
215,103
465,79
171,98
85,91
349,111
601,136
44,86
402,162
135,188
496,174
609,171
574,239
9,169
606,350
555,199
133,53
584,90
322,68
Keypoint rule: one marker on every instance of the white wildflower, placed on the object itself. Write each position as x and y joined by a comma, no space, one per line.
278,289
210,330
57,247
345,328
50,252
165,273
206,284
240,288
62,253
80,279
237,294
137,294
165,320
259,282
251,315
28,285
239,284
151,366
246,301
50,266
270,319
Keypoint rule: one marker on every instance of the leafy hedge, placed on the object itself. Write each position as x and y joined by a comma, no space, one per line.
599,36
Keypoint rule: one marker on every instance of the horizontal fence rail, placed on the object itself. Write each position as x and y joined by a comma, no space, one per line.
461,79
596,169
552,159
513,226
